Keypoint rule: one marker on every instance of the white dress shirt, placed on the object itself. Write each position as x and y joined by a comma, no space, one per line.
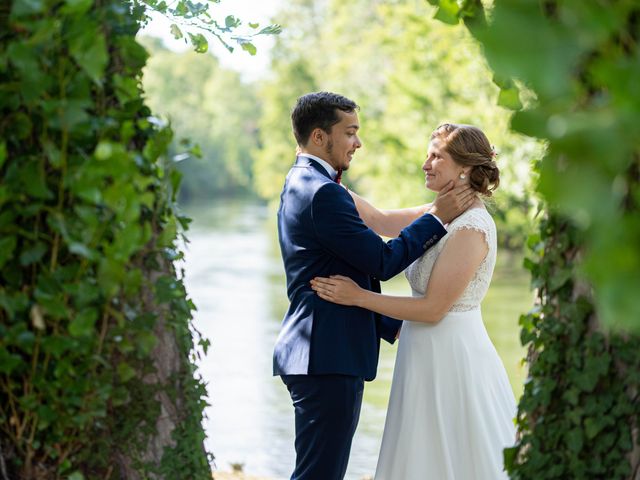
330,170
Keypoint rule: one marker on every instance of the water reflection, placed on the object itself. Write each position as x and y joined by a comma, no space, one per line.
234,275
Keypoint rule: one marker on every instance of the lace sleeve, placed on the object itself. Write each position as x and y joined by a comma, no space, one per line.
479,220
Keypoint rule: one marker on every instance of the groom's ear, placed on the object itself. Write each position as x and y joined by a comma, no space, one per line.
317,136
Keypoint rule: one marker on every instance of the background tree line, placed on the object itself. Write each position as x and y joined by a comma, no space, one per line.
408,74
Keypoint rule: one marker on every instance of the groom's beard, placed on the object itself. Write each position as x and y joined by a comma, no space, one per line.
329,154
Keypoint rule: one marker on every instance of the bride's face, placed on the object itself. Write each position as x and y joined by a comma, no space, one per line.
439,168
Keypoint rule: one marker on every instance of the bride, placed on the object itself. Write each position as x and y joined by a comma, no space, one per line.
451,407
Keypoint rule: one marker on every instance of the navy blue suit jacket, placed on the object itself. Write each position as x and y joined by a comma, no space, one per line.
321,234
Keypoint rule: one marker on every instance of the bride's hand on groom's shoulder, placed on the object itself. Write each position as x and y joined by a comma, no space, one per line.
337,289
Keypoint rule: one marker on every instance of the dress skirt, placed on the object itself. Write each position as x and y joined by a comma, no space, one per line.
451,407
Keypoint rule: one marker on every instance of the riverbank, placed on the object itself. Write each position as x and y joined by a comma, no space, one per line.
243,476
236,476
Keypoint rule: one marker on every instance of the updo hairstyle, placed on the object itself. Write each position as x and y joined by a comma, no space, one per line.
469,147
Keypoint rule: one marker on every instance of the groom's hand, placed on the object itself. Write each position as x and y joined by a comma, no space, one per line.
452,201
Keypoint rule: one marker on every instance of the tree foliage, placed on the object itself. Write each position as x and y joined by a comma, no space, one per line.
408,74
195,23
186,88
578,417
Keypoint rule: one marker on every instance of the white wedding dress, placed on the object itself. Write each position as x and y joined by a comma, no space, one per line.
451,407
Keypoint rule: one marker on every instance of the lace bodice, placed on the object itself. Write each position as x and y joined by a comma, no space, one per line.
418,272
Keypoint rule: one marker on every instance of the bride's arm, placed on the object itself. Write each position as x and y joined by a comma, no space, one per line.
388,223
452,272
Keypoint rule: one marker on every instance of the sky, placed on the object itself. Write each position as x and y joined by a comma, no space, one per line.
249,11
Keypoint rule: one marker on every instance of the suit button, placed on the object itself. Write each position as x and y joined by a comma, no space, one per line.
435,237
425,246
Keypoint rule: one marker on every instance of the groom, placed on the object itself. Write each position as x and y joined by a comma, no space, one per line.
325,351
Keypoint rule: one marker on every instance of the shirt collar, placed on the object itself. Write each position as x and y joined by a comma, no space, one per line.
330,170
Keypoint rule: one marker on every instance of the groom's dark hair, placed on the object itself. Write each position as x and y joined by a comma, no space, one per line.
318,110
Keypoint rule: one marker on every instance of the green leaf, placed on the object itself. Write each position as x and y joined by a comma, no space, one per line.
83,324
20,125
274,29
82,250
509,456
199,42
231,22
249,47
3,152
76,476
33,254
23,8
510,98
134,54
89,50
9,361
34,182
448,12
575,440
125,372
558,280
146,342
7,246
176,32
77,7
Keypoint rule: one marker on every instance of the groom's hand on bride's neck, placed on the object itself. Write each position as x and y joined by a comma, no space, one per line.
452,201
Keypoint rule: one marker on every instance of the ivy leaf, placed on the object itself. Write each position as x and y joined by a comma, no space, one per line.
83,323
9,361
27,7
33,254
575,440
3,152
558,280
7,246
33,181
125,372
89,50
82,250
146,341
77,6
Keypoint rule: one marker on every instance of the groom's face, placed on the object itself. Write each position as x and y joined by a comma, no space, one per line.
342,142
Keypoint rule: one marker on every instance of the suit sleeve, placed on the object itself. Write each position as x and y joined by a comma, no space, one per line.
340,230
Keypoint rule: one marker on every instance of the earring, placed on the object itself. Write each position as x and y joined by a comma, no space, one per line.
462,176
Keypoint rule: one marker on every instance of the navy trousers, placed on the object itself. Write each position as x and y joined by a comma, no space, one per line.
327,409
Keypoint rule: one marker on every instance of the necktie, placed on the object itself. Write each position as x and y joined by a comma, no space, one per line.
338,178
